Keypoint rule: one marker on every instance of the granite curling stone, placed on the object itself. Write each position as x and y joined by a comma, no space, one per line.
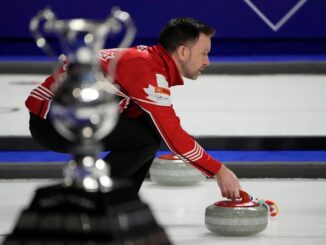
170,170
236,218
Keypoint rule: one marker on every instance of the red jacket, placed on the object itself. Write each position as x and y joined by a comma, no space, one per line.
143,76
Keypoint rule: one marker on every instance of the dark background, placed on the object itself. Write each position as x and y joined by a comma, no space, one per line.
240,31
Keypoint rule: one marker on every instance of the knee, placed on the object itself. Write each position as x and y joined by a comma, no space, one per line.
153,144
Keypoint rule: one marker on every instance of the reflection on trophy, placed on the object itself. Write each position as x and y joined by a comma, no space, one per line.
88,207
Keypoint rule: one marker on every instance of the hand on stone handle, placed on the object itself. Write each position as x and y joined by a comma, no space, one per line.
228,183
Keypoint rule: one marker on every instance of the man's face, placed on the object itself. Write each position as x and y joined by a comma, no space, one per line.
197,60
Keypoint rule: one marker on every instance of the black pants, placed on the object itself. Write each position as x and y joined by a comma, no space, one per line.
132,144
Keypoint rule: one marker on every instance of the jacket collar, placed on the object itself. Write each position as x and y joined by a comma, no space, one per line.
174,76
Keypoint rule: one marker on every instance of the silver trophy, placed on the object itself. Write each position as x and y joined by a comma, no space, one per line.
84,109
88,207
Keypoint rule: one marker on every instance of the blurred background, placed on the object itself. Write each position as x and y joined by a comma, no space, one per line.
265,89
245,28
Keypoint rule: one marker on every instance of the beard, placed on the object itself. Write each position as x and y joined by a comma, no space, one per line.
191,73
193,76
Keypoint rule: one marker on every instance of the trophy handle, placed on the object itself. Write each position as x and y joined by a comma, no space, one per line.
125,19
34,26
113,24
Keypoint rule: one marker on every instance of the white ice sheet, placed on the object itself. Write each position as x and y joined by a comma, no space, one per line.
301,221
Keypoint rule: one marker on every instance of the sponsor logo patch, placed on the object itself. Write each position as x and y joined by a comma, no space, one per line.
159,94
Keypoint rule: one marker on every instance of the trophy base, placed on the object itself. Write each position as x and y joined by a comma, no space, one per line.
67,215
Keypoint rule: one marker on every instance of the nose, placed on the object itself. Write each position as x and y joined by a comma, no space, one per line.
206,61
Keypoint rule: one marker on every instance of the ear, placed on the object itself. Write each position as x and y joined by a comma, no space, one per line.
183,52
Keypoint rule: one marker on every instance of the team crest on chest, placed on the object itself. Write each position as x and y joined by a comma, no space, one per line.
159,94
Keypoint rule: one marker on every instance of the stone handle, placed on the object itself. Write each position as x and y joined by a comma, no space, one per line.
245,197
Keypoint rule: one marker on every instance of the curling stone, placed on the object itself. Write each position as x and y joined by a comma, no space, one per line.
170,170
236,218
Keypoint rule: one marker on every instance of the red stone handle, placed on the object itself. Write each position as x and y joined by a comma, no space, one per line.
244,202
245,197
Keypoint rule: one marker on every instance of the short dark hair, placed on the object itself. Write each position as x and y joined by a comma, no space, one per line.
180,31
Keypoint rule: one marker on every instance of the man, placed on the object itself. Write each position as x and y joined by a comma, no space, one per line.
143,76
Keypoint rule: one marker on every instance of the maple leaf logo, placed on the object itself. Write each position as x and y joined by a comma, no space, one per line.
159,94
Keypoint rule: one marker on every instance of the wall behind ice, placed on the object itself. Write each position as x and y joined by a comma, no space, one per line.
244,27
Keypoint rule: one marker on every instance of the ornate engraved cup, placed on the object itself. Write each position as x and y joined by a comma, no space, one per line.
84,109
